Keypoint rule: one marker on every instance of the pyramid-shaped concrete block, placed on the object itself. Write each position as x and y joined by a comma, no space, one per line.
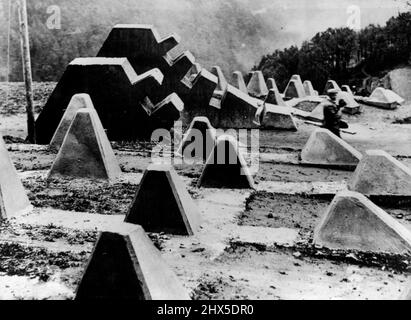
296,77
116,91
257,87
326,149
274,97
141,44
77,102
352,222
331,85
226,167
351,106
125,265
271,84
386,96
239,82
199,140
162,203
145,49
237,110
276,117
294,89
308,88
380,174
165,113
197,100
13,197
222,82
347,88
86,152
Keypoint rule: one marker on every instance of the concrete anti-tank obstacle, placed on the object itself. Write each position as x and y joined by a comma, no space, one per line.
331,84
239,82
346,88
163,204
222,82
271,84
77,102
380,174
352,222
116,90
86,151
237,110
351,106
274,97
13,197
294,89
308,88
226,167
126,266
324,148
197,100
269,116
257,87
145,49
199,138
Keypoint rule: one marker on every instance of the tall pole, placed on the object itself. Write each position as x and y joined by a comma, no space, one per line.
28,80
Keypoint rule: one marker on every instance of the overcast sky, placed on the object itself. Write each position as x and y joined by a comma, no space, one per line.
307,17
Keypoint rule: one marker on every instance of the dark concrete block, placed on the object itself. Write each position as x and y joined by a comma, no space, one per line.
226,167
127,266
162,203
86,151
116,91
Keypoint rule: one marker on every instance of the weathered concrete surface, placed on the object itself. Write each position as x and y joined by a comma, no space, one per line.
308,88
116,91
86,151
199,139
257,87
226,167
239,82
270,116
127,266
331,84
13,197
165,113
378,173
326,149
162,203
271,84
274,97
77,102
222,82
354,222
386,95
197,101
294,89
382,98
237,110
141,44
347,88
352,106
145,49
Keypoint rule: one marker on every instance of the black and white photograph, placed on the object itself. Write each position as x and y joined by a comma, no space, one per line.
205,154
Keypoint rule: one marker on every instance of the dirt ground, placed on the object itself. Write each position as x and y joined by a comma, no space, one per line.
252,244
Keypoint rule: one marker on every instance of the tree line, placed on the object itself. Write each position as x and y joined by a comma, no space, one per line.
343,54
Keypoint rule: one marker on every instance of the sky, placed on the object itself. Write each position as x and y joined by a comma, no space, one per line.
304,18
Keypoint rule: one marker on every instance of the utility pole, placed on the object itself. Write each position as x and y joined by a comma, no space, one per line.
28,80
